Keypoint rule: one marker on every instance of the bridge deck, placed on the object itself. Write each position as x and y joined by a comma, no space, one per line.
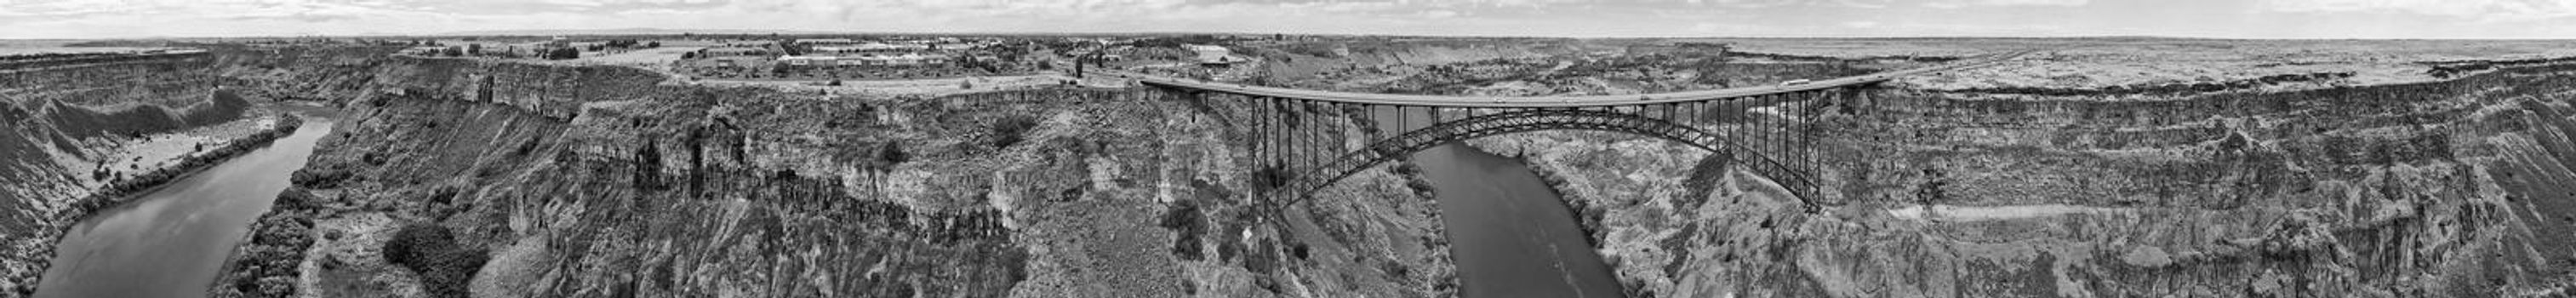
1541,101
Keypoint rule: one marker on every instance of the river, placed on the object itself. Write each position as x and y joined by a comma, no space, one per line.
1510,234
173,241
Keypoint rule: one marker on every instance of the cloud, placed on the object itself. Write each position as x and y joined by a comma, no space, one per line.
2483,10
300,17
1956,4
1869,4
136,18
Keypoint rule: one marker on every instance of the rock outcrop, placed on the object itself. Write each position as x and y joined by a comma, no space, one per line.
2453,188
458,177
69,124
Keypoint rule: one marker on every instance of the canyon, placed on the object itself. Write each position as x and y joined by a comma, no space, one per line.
485,177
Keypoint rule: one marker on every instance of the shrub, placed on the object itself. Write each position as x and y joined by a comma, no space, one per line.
1185,221
563,53
431,251
319,178
1010,130
892,154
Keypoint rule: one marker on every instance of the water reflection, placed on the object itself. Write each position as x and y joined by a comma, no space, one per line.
172,241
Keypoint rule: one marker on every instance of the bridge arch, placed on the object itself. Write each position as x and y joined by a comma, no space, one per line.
1307,182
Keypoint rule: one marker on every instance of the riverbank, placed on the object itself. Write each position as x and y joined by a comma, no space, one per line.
1645,204
171,240
2266,193
1516,236
121,190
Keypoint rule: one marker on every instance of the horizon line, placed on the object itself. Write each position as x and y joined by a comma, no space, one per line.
723,31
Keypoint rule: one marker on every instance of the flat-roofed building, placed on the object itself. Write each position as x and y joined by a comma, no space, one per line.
736,51
826,42
1210,54
737,61
807,60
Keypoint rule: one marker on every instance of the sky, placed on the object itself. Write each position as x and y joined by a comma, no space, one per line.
2436,19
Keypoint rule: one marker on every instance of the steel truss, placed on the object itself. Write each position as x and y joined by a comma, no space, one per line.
1309,180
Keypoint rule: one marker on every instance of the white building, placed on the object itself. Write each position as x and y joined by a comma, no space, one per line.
807,60
826,42
1210,54
906,59
736,51
871,47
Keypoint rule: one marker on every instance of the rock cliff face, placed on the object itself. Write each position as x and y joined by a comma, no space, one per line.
460,177
2452,188
96,126
1309,64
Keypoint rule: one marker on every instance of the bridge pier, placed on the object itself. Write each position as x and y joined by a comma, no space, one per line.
1286,134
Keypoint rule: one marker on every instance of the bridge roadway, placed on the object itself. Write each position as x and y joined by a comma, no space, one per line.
1515,114
1545,101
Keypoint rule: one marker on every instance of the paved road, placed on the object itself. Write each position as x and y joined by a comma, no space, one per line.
1542,101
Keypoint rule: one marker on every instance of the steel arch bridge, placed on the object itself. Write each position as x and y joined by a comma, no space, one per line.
1797,181
1304,146
1286,127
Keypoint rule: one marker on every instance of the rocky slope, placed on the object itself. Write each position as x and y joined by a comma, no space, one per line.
77,131
483,178
2453,188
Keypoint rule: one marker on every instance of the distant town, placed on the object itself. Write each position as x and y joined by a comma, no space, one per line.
827,58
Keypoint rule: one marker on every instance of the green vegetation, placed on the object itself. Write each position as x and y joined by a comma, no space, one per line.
268,265
431,251
565,53
1010,130
115,192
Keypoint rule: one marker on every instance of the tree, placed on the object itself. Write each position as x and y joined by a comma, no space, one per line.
474,49
656,44
563,53
454,51
688,55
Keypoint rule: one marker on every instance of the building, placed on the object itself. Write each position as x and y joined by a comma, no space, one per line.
736,61
824,42
907,59
958,46
808,60
735,51
1216,55
870,47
